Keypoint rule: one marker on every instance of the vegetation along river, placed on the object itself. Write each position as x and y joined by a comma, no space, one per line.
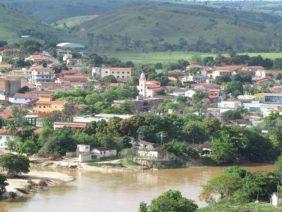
93,191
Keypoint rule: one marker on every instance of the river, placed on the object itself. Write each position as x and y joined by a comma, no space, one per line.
92,191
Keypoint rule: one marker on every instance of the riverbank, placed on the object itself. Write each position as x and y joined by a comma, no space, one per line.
34,181
116,165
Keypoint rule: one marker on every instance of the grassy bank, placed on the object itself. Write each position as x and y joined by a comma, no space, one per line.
170,57
266,207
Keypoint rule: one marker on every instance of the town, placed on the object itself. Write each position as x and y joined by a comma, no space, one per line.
72,108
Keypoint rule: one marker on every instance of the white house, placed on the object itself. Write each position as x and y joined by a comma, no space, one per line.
40,74
122,74
103,152
83,148
276,199
5,137
190,93
83,152
228,105
149,154
147,150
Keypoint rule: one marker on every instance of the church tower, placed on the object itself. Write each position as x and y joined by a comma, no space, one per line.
142,85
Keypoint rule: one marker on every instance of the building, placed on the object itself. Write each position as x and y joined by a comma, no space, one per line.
148,89
40,74
73,125
147,150
73,76
83,153
46,105
103,152
66,48
122,74
264,108
24,98
83,148
99,117
5,137
273,98
40,58
224,71
9,86
276,199
228,105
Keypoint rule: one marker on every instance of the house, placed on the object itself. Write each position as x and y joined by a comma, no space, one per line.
46,105
5,137
122,74
273,98
148,89
24,98
103,152
83,148
83,153
261,73
32,119
264,108
73,125
190,93
40,58
224,71
73,76
147,150
228,105
40,74
276,199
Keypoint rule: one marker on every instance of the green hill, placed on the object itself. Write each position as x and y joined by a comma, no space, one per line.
14,24
50,11
172,27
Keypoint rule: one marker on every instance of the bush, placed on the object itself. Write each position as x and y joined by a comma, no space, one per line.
14,164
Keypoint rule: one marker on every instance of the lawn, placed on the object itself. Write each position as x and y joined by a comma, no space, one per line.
169,57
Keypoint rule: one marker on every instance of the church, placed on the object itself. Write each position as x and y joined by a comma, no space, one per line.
148,89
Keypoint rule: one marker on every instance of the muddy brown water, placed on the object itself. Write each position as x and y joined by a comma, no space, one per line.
93,191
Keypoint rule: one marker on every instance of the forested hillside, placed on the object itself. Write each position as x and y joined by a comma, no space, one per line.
178,27
14,24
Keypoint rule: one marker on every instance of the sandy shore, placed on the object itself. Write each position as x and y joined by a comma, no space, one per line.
50,176
34,181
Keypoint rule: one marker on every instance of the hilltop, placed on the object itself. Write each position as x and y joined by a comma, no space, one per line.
53,10
179,27
14,24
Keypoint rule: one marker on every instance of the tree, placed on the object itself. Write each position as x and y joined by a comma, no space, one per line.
3,184
231,115
29,147
229,145
14,164
224,184
236,184
223,152
143,207
278,165
172,201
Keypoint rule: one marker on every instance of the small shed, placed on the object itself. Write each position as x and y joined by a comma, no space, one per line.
276,199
